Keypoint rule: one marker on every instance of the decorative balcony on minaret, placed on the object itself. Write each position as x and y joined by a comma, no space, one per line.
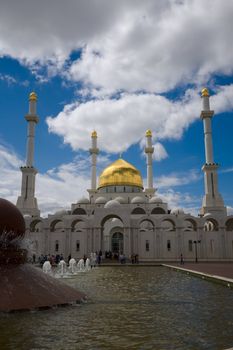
149,150
27,203
212,200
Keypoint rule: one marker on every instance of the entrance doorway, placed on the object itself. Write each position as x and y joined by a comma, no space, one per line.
117,242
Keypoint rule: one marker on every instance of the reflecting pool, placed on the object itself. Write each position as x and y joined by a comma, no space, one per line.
129,308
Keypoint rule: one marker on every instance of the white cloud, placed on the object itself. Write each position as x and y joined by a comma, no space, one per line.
55,189
47,32
229,210
175,199
177,179
59,187
226,170
122,122
125,45
10,179
160,152
11,80
8,78
155,47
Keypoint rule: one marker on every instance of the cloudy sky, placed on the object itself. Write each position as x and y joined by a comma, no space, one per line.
119,67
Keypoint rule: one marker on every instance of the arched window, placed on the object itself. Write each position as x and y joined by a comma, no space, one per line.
138,211
211,225
79,211
35,226
190,225
158,210
56,225
77,226
146,225
168,225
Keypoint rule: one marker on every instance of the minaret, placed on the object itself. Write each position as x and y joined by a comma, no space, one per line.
149,150
212,200
94,152
27,203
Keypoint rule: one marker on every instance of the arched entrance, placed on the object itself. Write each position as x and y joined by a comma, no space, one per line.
110,225
117,243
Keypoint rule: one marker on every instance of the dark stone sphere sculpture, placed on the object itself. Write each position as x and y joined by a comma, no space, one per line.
12,224
23,286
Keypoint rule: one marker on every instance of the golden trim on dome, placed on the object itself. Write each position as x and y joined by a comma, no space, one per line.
33,96
148,133
205,92
94,133
120,173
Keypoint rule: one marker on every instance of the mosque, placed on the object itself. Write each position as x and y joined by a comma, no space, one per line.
121,216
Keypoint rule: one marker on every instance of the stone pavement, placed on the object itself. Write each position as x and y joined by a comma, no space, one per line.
217,272
219,269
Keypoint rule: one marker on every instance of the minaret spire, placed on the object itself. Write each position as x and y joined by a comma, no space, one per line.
27,202
212,200
149,150
94,152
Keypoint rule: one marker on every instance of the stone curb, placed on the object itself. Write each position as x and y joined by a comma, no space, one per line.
227,282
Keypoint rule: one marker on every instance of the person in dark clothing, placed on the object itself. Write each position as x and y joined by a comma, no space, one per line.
181,259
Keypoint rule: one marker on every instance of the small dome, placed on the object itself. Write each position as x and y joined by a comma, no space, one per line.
83,200
121,200
177,211
101,200
148,133
138,200
207,214
155,200
112,204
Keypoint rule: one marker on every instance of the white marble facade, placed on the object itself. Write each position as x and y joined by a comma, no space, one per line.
138,228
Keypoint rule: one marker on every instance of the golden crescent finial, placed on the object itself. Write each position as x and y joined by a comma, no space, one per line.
205,92
148,133
33,96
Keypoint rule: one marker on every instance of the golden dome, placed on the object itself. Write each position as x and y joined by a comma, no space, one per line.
120,173
94,133
148,133
33,96
205,92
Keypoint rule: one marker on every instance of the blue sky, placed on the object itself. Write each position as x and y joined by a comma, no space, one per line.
119,67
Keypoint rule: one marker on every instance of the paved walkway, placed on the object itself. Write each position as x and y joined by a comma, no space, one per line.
217,272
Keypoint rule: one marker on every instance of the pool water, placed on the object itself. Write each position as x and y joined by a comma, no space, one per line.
129,308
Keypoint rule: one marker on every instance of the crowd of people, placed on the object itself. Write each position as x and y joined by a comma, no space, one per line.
95,258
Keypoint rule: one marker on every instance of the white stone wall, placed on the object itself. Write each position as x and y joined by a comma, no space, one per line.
139,230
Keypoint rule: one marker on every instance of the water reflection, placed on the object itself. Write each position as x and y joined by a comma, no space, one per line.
129,308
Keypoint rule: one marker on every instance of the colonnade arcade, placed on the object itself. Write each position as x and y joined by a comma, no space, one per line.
151,237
